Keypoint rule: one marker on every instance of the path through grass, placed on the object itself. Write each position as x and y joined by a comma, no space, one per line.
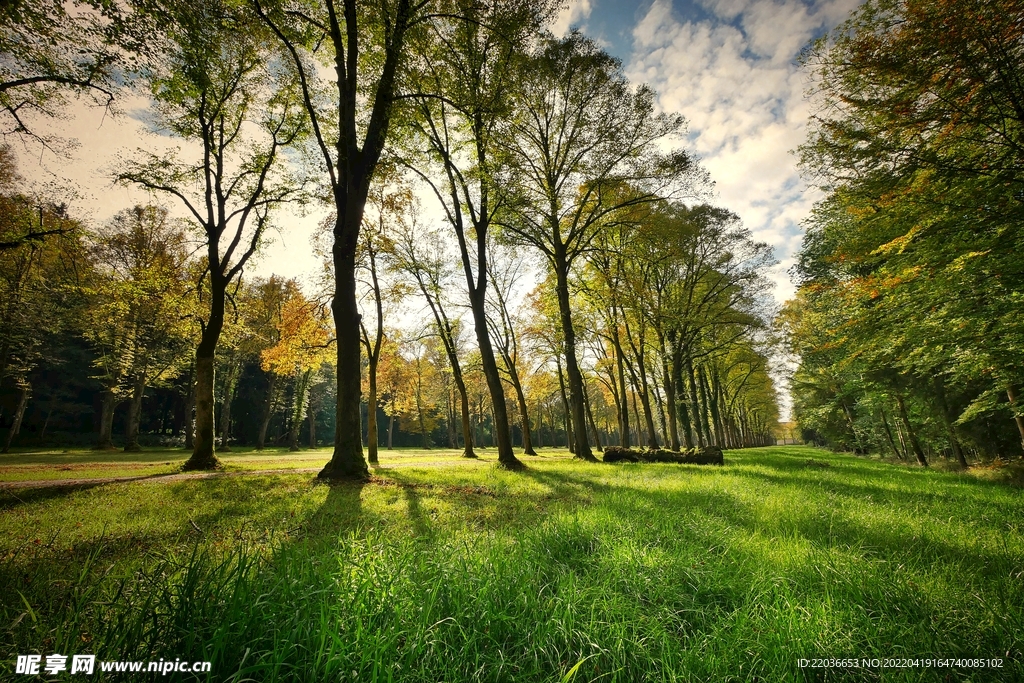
640,572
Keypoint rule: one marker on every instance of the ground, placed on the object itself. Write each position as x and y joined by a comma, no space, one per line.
446,569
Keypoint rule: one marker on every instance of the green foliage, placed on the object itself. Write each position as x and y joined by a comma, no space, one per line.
911,266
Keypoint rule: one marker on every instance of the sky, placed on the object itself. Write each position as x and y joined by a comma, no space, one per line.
728,66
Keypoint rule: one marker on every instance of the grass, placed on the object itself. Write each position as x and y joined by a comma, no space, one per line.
82,463
568,571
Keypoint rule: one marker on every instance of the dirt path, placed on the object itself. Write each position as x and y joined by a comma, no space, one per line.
182,476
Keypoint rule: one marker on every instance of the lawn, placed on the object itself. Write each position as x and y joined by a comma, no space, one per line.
462,572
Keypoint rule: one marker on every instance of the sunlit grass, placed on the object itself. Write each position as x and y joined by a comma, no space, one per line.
58,464
458,573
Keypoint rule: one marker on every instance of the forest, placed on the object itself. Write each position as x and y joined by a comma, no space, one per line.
519,252
907,322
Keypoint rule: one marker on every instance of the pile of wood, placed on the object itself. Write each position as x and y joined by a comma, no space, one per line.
712,455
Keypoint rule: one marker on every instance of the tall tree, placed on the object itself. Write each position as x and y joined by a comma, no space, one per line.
217,88
585,146
138,319
467,80
350,121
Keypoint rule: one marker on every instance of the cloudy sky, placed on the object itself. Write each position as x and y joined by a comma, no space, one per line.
729,66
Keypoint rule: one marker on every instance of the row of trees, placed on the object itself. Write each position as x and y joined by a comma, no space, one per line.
528,143
908,321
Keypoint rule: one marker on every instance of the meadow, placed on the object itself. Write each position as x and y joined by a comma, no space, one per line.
441,569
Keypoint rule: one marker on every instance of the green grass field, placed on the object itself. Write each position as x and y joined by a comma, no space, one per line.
457,571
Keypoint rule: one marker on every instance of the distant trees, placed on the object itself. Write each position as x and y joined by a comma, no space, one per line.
907,321
138,319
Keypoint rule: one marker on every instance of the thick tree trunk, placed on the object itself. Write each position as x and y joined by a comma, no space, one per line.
914,443
572,368
203,457
105,439
131,437
268,411
19,414
347,461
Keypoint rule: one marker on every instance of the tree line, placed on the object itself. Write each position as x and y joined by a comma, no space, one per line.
576,248
907,323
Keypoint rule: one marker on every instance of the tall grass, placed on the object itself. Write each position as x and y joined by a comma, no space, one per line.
568,572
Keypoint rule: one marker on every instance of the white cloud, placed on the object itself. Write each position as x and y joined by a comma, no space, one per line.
735,78
572,14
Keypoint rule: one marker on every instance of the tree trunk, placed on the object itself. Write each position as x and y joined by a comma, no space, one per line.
696,415
947,421
499,425
910,432
888,435
523,414
372,437
467,426
268,411
131,437
347,461
391,431
594,434
572,368
299,409
19,413
621,370
230,382
569,442
105,439
311,416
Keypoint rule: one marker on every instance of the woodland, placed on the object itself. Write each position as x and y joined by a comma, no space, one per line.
519,252
907,322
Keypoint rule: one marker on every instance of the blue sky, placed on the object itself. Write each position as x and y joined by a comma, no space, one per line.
730,67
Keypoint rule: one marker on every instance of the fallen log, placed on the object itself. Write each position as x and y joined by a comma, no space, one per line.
711,455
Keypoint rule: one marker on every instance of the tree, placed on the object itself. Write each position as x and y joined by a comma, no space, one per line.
54,49
467,81
39,281
304,347
138,318
585,147
350,121
217,88
423,256
918,147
